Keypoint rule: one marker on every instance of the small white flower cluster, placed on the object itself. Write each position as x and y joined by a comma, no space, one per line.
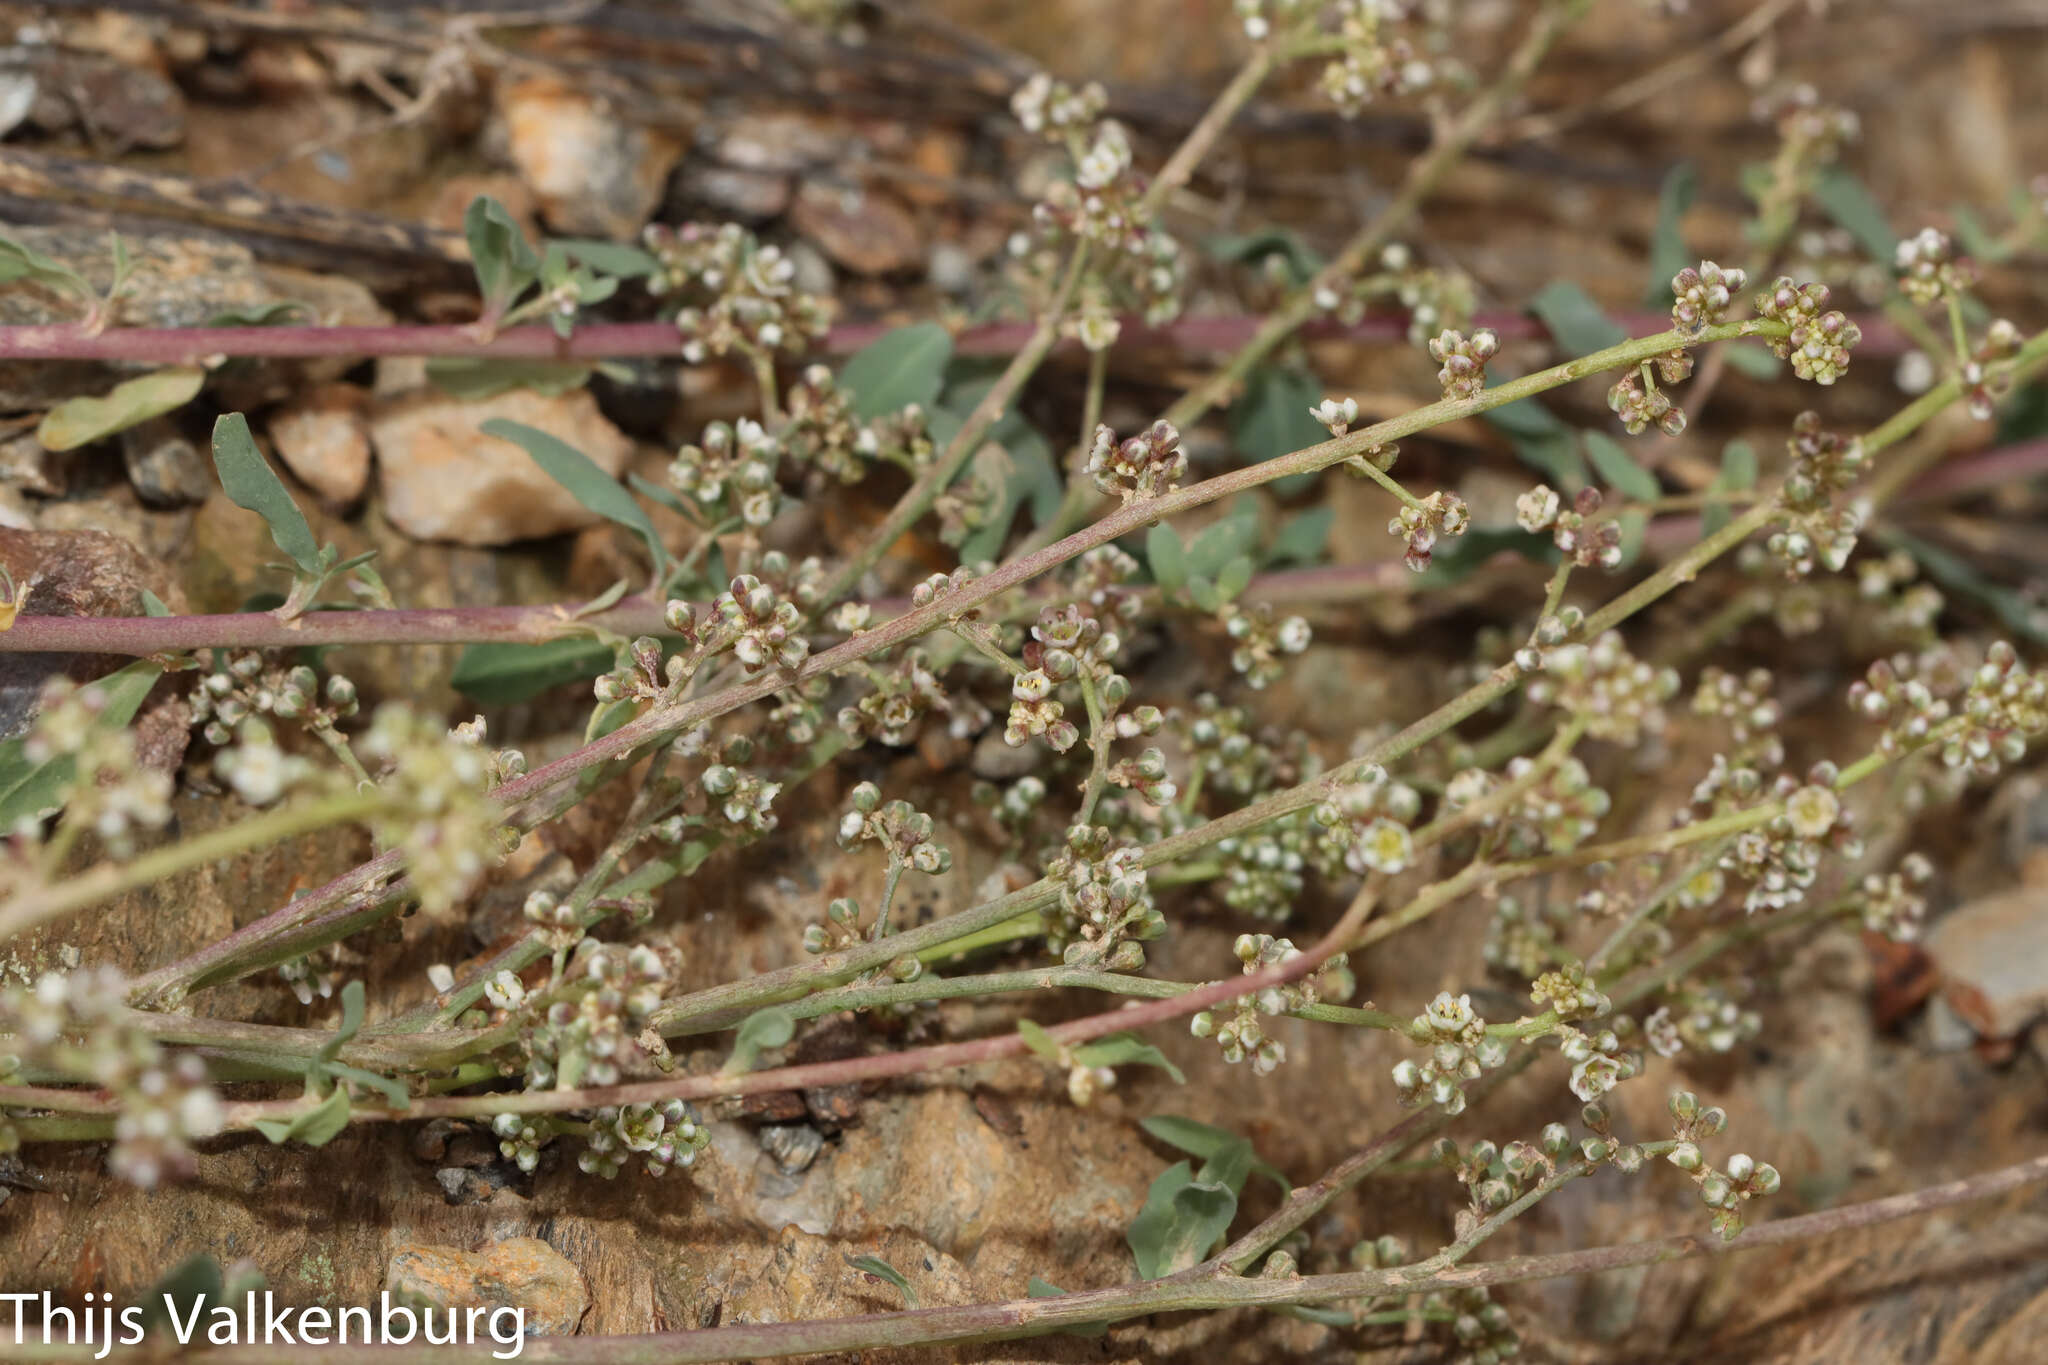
607,995
738,294
1366,826
731,471
1617,695
109,791
1260,642
75,1025
1240,1035
1459,1053
663,1136
1929,268
437,811
1105,898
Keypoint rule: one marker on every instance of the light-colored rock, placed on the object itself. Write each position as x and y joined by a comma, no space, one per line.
593,173
868,232
1993,958
324,438
164,465
519,1272
443,479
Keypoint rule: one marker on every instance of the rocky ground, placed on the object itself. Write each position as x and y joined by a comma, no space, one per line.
270,161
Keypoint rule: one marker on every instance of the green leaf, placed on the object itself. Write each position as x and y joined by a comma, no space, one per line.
1668,252
392,1090
1753,361
1039,1041
2024,415
2014,611
882,1270
152,605
253,485
1271,418
1843,198
763,1029
1224,540
485,376
1634,524
1303,539
1167,557
81,421
1542,441
500,674
505,262
1206,1142
191,1284
351,1024
1738,471
1039,1289
1974,239
1228,1166
316,1127
19,261
1256,248
1181,1220
1620,472
1126,1049
1574,320
897,369
1234,578
586,482
1455,560
1029,478
613,258
262,314
29,790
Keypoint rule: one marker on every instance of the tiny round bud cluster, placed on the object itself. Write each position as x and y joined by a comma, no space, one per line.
109,790
662,1135
1104,897
608,992
1459,1053
1239,1034
1819,340
1422,524
1260,642
1929,268
731,471
760,625
1139,468
1366,826
1703,295
1463,360
1639,403
903,831
736,292
1617,695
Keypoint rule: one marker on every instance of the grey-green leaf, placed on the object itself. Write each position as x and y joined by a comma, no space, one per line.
1542,441
1167,557
316,1127
1843,198
505,262
585,480
253,485
1304,538
1668,253
488,376
1738,471
1038,1040
1122,1049
1181,1220
1618,471
1207,1142
28,789
763,1029
882,1270
1574,320
499,674
613,258
1271,418
81,421
897,369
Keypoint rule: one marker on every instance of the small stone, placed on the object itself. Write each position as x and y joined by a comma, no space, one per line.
1993,958
867,231
24,464
164,465
998,761
593,174
728,191
443,479
793,1145
519,1272
324,438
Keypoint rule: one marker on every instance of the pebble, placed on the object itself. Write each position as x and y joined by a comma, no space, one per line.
1993,958
593,174
165,466
442,479
867,231
324,438
519,1272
